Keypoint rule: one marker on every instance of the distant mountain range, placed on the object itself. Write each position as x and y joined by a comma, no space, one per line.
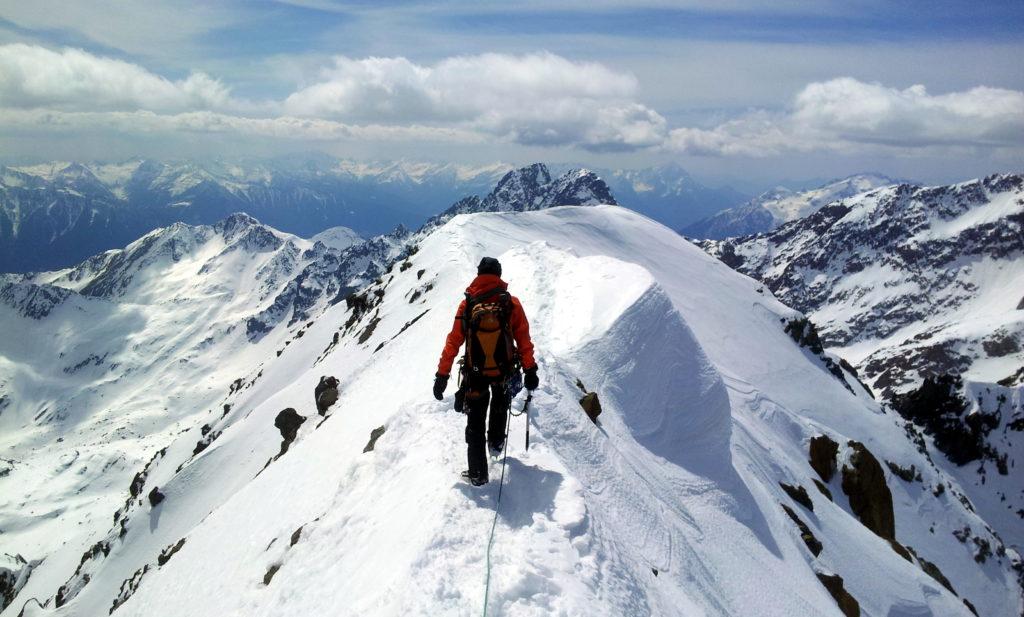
668,194
56,214
780,205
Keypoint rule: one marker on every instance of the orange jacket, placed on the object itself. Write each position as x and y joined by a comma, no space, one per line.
516,322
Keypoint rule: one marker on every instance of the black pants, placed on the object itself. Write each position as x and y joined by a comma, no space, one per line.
481,392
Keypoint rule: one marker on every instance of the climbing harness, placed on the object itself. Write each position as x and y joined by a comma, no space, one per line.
501,484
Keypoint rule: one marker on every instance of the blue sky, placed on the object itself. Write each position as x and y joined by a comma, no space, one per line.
931,90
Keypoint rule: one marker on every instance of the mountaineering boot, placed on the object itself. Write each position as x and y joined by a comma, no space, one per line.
478,480
497,448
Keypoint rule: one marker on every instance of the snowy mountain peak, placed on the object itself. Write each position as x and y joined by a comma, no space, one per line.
780,205
523,181
234,225
531,188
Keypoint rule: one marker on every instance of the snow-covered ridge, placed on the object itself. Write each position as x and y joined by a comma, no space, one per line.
673,505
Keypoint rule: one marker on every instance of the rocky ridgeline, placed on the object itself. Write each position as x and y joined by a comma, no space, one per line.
531,188
904,262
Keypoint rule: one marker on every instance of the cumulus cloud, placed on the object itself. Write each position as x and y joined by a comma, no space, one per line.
72,79
536,99
845,114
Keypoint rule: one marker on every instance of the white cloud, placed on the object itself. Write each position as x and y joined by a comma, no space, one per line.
539,99
208,122
72,79
847,115
534,99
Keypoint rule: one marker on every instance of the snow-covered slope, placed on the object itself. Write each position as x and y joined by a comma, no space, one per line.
670,506
781,205
909,283
103,364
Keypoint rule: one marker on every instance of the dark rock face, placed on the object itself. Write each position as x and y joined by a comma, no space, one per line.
155,497
13,577
804,334
847,603
938,407
591,405
798,494
326,393
813,544
823,456
31,300
167,553
822,488
271,571
288,422
870,497
375,434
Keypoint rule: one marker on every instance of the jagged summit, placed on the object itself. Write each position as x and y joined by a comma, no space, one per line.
531,188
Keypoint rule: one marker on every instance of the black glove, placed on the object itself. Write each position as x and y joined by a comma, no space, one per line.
440,383
530,379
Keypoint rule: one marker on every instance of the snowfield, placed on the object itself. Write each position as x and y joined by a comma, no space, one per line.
671,505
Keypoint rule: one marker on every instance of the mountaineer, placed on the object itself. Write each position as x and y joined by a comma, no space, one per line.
491,324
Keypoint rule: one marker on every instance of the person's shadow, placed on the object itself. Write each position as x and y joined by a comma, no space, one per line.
154,517
527,491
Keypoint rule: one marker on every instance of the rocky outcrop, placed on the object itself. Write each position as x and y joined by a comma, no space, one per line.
591,404
288,422
326,393
938,408
870,497
813,544
798,494
834,584
375,434
156,497
14,573
823,456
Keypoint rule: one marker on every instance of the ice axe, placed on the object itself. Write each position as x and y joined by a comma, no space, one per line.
526,410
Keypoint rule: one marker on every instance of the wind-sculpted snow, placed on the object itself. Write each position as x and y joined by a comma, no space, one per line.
669,505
